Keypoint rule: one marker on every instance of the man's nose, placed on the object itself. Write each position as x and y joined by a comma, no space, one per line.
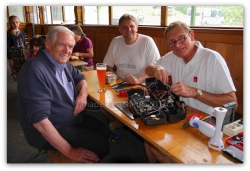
176,44
67,49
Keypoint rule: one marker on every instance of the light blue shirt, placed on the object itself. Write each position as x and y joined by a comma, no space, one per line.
61,76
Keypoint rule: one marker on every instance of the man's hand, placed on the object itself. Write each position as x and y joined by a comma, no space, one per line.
131,79
83,155
161,74
49,132
81,99
80,104
183,90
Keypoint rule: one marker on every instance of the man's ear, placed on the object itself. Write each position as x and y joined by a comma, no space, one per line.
47,43
192,35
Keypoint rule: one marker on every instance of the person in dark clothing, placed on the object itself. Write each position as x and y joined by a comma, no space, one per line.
33,48
15,46
41,40
52,96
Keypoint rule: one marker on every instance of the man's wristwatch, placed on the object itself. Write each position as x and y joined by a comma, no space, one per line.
199,92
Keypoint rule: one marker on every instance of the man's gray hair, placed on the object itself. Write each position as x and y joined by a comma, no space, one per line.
127,17
52,34
175,24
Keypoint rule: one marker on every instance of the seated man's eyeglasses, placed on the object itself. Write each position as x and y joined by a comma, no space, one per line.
180,40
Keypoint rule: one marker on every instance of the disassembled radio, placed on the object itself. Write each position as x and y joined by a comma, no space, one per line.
155,105
150,111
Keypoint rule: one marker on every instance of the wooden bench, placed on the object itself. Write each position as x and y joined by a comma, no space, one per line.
58,157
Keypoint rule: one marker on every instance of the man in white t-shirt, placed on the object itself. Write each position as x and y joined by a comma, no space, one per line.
130,53
200,76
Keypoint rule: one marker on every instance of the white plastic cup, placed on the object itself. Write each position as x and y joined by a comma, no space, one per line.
111,79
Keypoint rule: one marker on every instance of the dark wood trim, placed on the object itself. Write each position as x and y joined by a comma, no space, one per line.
63,13
164,14
27,14
110,14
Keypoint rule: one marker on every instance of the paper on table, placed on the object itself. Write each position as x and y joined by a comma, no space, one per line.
74,57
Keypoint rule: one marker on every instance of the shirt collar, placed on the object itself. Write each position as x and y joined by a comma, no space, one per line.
195,57
58,66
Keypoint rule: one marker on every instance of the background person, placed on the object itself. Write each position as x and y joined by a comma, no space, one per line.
41,40
130,53
200,76
83,48
52,95
33,48
15,46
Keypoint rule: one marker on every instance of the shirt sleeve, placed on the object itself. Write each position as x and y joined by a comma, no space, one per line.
88,43
109,57
36,94
222,80
151,51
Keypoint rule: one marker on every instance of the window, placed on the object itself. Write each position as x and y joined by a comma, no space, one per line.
69,15
145,15
57,14
209,16
203,16
34,14
17,11
47,15
213,13
96,15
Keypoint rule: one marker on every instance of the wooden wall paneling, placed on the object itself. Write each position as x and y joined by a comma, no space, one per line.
219,38
219,47
233,55
29,29
161,45
203,43
91,36
152,31
102,29
46,28
38,29
102,43
157,41
164,49
23,27
235,62
113,36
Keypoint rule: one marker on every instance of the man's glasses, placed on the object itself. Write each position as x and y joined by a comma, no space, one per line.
180,40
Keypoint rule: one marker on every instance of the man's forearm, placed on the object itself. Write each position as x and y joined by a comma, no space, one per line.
150,70
82,88
141,79
49,132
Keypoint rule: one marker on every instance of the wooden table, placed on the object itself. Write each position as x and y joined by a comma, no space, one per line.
182,145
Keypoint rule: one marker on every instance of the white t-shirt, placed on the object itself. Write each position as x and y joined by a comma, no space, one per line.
207,71
131,59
